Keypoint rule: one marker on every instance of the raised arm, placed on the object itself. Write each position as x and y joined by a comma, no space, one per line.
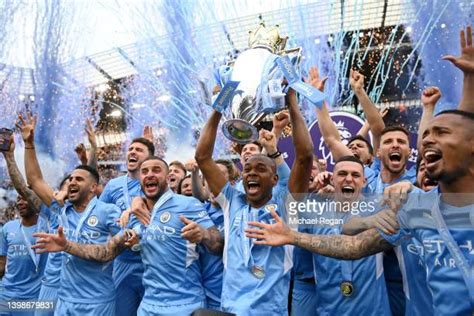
101,253
372,114
429,98
199,191
34,177
364,130
326,125
301,170
92,159
17,179
465,62
343,247
205,146
280,121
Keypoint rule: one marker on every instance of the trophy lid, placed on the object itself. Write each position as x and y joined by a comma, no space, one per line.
268,38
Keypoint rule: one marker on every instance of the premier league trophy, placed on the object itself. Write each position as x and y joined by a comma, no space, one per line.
260,89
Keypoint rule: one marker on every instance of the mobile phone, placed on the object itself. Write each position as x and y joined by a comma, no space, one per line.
5,139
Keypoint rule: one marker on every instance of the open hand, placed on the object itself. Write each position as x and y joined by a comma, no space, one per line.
314,79
277,234
465,62
50,242
27,128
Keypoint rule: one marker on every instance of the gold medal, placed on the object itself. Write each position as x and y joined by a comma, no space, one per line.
258,272
347,288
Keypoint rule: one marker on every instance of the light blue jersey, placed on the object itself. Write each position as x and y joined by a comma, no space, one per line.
128,266
445,280
172,276
304,298
369,295
419,300
393,265
212,267
84,281
115,193
256,278
24,268
52,272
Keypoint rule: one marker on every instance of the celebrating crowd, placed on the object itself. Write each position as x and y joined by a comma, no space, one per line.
372,237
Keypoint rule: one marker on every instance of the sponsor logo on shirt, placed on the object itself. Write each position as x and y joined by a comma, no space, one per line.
18,250
159,232
436,248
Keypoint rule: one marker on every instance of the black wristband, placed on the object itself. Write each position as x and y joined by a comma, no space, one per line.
275,155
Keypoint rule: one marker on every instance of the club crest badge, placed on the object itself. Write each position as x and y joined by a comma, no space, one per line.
93,221
165,217
271,207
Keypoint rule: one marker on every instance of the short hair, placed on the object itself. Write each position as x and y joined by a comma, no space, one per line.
362,138
157,158
266,158
349,158
181,182
149,145
466,114
179,164
395,128
66,177
231,169
92,171
462,114
240,147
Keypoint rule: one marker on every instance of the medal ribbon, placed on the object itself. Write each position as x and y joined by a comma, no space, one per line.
125,192
346,265
247,242
83,218
34,256
461,262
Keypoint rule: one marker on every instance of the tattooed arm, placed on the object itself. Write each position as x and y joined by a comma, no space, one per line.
213,241
102,253
17,179
210,238
343,247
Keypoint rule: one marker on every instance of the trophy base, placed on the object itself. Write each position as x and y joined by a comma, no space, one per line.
240,131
